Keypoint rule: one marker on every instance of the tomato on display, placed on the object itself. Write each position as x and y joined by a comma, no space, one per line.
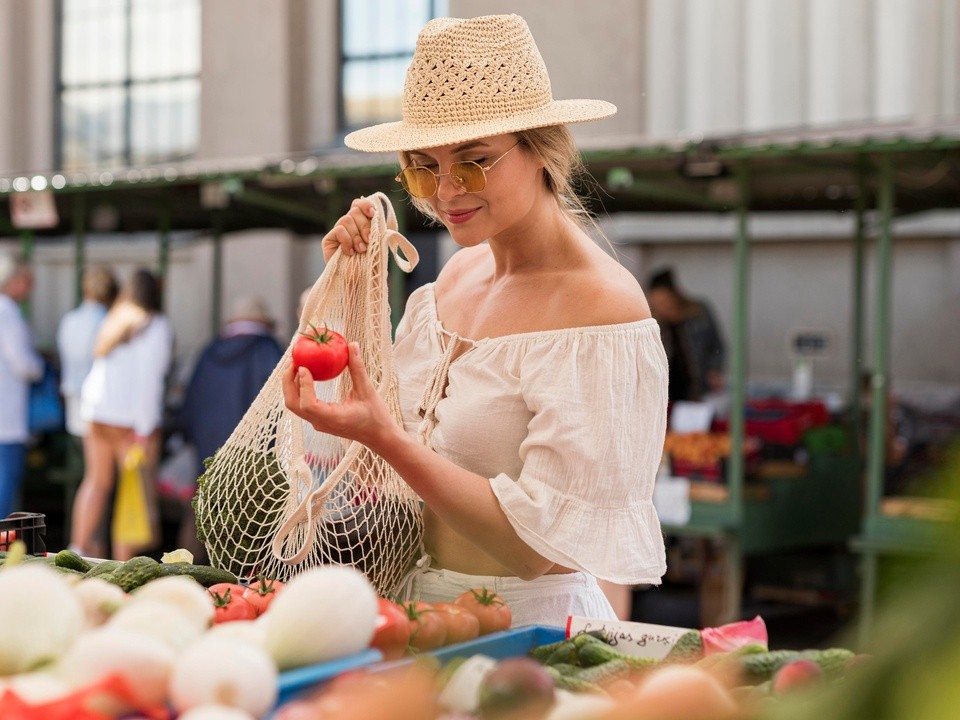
490,609
229,604
392,634
323,352
427,629
461,624
261,594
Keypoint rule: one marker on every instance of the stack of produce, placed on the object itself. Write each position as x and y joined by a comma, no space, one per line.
94,641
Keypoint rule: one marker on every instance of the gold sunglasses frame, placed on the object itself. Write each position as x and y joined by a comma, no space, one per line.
437,176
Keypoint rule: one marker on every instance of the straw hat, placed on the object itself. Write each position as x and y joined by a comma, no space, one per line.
471,79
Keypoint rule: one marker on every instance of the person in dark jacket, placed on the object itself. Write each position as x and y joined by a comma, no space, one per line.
691,338
230,372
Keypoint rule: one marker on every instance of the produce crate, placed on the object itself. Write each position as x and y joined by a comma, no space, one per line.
502,645
31,528
293,682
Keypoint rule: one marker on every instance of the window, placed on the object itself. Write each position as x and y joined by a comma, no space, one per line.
129,85
377,39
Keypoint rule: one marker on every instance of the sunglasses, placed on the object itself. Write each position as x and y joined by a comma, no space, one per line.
422,182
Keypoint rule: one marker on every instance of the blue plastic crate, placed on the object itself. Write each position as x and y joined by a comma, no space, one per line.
294,682
502,645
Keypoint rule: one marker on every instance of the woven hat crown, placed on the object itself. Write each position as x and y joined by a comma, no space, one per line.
470,79
466,71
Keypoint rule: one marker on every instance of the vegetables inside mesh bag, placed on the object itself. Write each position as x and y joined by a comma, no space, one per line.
279,496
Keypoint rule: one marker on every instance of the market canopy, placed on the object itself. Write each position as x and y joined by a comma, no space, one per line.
789,170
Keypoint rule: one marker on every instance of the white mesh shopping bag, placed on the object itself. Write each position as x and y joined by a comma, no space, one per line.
279,496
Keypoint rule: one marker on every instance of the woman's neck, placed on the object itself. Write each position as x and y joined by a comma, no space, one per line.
546,238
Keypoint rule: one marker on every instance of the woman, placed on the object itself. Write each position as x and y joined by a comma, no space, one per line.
122,400
532,377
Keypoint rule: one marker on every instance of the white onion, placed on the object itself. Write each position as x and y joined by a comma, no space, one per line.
324,613
41,617
144,661
185,593
224,671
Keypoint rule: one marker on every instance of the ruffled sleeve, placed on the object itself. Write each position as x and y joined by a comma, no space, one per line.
583,497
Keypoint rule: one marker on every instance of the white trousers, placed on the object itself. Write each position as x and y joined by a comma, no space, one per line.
547,600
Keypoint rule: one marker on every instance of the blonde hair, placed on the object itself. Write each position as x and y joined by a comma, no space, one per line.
563,169
139,301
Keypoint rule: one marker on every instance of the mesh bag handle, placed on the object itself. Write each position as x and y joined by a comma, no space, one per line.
279,496
383,238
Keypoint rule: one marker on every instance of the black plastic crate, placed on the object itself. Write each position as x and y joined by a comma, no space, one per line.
29,527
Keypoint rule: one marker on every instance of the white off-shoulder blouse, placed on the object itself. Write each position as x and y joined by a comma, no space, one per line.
567,424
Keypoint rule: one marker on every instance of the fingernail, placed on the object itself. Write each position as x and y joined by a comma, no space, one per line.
362,247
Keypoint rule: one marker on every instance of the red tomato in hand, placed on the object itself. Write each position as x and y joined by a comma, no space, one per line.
427,629
490,609
261,594
462,625
323,352
392,635
229,605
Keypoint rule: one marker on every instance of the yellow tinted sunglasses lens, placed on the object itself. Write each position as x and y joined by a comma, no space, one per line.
419,182
468,175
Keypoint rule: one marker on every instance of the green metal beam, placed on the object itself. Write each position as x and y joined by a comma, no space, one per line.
881,341
79,245
267,201
216,284
163,259
26,252
621,180
857,310
738,359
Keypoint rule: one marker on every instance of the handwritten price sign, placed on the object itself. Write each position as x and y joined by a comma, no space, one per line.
630,638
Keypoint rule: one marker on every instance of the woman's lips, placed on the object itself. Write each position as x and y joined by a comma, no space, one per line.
460,216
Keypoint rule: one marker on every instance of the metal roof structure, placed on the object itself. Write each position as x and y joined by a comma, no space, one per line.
790,170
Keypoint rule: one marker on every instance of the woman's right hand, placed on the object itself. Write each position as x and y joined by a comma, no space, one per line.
351,232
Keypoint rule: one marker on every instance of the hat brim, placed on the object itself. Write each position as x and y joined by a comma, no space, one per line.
399,136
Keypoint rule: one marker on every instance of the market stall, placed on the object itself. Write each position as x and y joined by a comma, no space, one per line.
844,169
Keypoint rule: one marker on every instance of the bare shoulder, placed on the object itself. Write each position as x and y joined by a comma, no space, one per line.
610,295
461,263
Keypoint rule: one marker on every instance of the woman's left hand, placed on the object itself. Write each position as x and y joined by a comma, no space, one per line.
362,416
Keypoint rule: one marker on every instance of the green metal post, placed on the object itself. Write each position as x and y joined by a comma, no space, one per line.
881,341
26,252
216,285
163,258
79,244
738,364
876,460
856,351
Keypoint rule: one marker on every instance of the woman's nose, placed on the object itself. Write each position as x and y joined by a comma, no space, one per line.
448,188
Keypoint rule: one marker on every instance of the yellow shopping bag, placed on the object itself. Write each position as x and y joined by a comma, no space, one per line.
131,521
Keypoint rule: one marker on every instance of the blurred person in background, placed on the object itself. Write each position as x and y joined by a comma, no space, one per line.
76,336
228,376
19,366
691,338
122,401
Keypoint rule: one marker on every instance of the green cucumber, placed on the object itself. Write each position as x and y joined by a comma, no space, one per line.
203,574
72,561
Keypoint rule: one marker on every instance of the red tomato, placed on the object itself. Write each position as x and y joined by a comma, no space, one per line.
261,594
490,609
392,635
427,629
462,625
7,537
229,606
324,353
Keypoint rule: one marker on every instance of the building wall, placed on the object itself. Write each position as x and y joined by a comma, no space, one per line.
720,66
